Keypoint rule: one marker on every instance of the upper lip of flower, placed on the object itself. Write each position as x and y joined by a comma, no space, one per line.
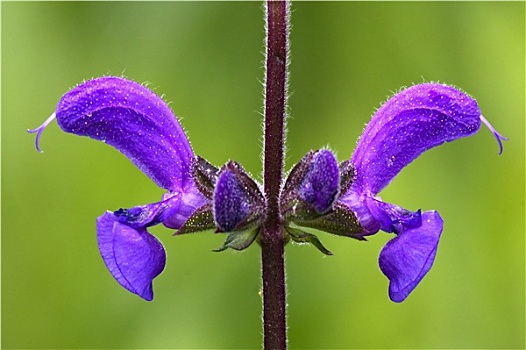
134,120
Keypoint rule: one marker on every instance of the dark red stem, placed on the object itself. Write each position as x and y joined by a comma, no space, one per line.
272,238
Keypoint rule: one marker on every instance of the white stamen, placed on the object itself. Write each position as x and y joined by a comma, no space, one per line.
40,129
498,136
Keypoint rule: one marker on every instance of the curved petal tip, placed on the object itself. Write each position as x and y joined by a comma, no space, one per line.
133,256
406,259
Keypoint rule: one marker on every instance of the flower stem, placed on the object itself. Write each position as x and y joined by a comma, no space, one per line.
272,237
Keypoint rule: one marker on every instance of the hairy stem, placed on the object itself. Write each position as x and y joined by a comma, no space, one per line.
272,238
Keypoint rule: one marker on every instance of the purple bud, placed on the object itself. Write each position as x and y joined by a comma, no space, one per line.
238,203
320,184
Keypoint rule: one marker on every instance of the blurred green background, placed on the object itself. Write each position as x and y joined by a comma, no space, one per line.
206,59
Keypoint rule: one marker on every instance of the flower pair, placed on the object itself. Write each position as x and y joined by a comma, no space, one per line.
339,198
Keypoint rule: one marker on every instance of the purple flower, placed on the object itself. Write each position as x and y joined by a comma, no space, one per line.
319,193
139,124
411,122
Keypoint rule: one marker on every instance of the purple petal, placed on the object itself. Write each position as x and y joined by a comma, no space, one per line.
407,258
411,122
134,120
356,202
143,216
392,217
320,186
133,256
188,202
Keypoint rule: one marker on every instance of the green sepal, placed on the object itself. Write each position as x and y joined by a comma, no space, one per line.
299,236
340,221
239,240
347,174
204,175
296,175
288,199
252,220
201,220
303,211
